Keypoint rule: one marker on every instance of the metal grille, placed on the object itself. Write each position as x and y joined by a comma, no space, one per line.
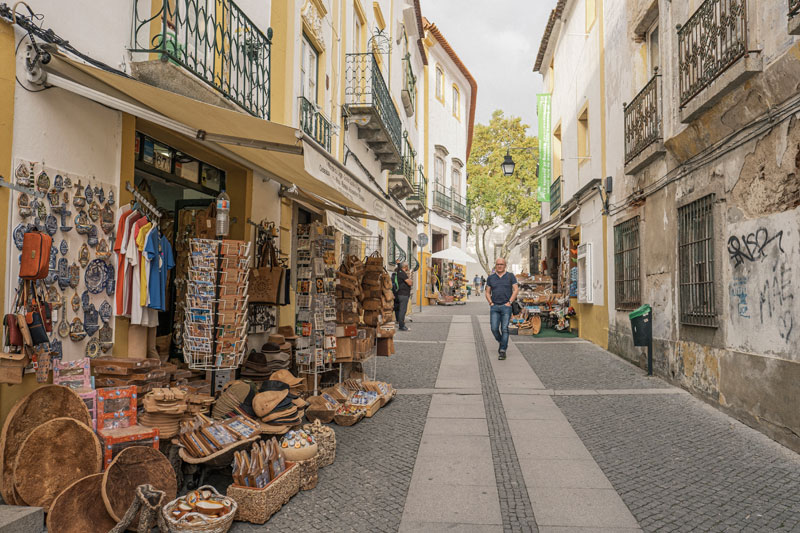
555,195
407,162
713,39
441,199
627,271
459,205
643,119
410,81
696,262
794,7
213,39
365,87
314,123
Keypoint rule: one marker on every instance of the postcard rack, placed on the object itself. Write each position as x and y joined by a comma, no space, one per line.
216,304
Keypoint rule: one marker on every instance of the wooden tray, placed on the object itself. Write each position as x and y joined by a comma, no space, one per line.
76,509
43,404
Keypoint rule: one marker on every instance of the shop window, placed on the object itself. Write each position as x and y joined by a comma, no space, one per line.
155,159
457,238
696,262
456,102
653,52
627,272
440,84
455,175
585,292
309,70
438,170
583,136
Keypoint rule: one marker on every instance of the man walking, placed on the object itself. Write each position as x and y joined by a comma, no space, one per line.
401,285
501,291
476,282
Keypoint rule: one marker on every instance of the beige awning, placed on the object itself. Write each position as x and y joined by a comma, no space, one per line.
283,153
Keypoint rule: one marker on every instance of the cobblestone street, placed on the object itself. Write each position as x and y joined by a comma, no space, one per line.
562,436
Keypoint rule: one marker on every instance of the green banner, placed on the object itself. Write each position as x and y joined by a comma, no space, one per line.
545,152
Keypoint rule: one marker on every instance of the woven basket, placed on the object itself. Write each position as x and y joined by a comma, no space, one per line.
308,473
322,415
348,420
326,442
199,523
258,505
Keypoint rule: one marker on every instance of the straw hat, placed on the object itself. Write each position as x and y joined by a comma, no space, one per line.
286,377
265,402
287,332
276,338
288,414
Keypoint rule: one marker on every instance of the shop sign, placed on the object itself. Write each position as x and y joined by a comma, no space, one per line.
545,154
332,175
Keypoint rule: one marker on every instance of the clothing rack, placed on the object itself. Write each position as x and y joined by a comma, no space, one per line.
153,211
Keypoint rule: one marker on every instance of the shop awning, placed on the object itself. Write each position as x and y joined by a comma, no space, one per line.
347,225
543,230
283,153
454,254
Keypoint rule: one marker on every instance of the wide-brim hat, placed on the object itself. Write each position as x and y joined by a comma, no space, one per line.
271,347
286,347
286,377
265,402
287,332
276,338
277,357
278,415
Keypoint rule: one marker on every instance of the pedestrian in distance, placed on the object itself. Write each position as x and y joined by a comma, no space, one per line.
501,291
483,283
401,286
476,282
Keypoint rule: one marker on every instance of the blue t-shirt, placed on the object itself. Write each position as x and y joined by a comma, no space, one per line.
159,252
502,287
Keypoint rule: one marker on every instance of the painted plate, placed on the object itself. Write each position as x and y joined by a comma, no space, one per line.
92,348
19,235
64,247
96,276
105,311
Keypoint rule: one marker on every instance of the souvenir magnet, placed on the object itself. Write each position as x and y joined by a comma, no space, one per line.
105,311
88,193
83,255
43,181
74,275
64,247
58,183
93,348
51,225
76,331
94,212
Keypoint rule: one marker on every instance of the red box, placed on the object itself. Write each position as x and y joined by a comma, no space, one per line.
116,407
114,441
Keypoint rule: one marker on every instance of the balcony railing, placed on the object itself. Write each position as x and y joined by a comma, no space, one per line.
441,198
643,119
314,124
214,40
366,88
407,165
555,195
409,93
712,40
459,205
420,187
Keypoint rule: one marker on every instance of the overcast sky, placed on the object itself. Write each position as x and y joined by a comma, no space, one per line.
498,42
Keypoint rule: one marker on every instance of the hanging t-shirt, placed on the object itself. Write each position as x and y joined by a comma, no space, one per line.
140,316
125,308
159,252
144,271
124,213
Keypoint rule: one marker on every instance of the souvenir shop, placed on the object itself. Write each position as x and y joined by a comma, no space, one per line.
160,335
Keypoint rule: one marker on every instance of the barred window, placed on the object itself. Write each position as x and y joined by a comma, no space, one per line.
696,262
627,272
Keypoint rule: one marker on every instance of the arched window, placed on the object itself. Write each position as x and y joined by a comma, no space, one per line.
456,102
440,83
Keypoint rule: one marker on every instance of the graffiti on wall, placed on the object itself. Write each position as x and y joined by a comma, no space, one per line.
751,247
776,299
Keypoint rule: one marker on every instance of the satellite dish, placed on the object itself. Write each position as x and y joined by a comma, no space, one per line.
422,240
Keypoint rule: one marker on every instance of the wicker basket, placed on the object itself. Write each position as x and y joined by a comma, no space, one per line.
348,420
199,523
308,473
326,442
258,505
322,415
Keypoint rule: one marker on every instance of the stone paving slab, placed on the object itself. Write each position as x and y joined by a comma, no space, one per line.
564,474
593,529
456,426
428,527
472,446
534,429
456,406
460,504
588,508
456,470
530,407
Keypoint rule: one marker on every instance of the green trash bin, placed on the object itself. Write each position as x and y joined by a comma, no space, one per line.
642,325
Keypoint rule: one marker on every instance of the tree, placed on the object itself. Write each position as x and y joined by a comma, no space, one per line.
497,199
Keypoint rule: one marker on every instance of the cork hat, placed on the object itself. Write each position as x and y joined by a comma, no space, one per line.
276,339
265,402
286,377
287,332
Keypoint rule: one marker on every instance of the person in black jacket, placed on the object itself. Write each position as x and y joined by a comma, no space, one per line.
401,285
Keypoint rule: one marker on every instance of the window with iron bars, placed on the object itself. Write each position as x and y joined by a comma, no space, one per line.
627,271
696,263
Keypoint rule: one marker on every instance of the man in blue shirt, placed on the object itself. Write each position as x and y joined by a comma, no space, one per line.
501,290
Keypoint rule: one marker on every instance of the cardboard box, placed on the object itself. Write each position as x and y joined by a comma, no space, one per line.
385,347
345,347
386,330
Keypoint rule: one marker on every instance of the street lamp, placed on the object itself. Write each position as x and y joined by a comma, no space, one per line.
508,162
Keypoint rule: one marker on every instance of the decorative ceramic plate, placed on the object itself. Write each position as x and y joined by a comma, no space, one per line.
111,197
52,278
105,311
78,200
23,174
74,275
96,276
76,331
51,225
43,181
53,297
94,211
64,247
65,197
91,320
24,206
82,224
19,235
63,273
58,183
92,348
53,261
83,255
88,193
85,302
100,194
76,302
92,236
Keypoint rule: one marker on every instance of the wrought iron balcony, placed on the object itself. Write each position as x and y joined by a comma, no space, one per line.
215,41
401,179
442,202
643,119
459,206
555,195
712,40
314,123
417,203
369,105
409,92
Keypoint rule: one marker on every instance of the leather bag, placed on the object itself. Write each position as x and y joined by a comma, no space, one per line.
35,262
12,333
266,280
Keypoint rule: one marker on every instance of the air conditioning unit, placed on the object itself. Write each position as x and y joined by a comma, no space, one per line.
585,295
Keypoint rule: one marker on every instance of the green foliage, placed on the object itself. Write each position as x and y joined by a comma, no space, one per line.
495,198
